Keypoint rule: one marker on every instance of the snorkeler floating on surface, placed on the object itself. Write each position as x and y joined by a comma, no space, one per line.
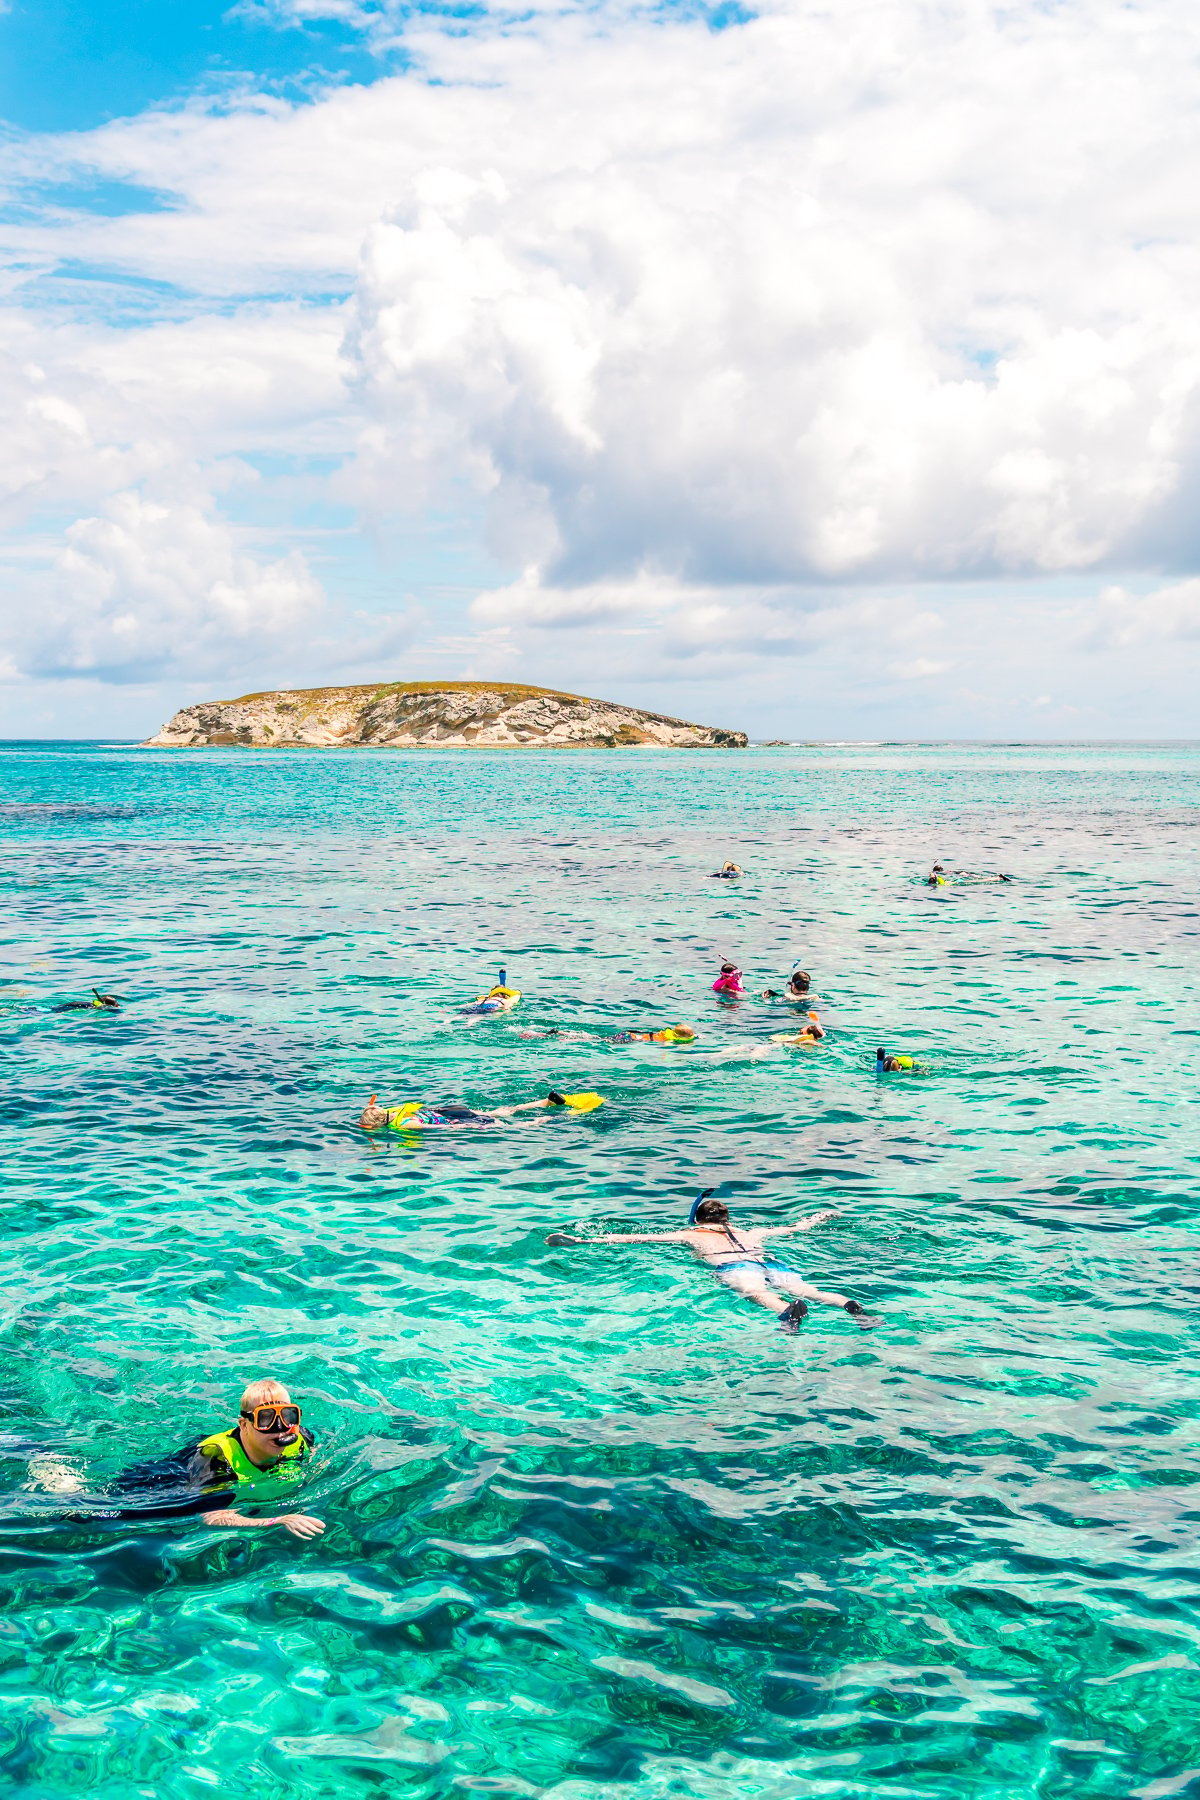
898,1065
940,876
807,1037
421,1115
17,1006
671,1034
812,1032
668,1034
728,871
98,1003
499,999
740,1260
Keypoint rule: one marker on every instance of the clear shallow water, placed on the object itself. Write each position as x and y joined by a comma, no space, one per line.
595,1528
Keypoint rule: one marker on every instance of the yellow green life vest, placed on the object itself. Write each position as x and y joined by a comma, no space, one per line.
403,1115
228,1445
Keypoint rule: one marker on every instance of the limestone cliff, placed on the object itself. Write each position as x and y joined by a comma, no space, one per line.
429,713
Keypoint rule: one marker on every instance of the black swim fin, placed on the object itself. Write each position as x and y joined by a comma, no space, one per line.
790,1317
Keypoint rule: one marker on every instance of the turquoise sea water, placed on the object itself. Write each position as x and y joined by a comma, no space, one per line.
596,1529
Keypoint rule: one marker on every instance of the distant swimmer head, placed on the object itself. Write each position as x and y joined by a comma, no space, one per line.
799,981
933,879
373,1116
681,1034
110,1002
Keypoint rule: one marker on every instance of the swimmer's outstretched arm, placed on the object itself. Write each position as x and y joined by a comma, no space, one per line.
774,1231
622,1237
301,1525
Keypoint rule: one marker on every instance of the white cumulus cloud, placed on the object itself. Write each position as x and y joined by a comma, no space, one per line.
1122,619
734,341
887,289
145,587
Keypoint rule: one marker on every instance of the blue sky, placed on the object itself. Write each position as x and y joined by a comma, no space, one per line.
71,65
826,375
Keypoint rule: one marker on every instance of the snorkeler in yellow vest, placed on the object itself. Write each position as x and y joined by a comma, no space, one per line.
670,1034
422,1115
941,876
498,999
257,1460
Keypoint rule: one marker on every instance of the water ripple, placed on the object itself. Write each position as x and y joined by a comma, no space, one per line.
595,1530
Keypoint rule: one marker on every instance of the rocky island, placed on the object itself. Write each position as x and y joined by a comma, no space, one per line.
425,714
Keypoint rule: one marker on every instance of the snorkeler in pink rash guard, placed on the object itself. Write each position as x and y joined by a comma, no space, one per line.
729,981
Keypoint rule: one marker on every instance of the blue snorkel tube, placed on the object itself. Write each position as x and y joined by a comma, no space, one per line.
696,1203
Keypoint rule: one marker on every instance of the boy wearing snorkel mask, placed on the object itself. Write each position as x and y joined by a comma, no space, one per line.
266,1450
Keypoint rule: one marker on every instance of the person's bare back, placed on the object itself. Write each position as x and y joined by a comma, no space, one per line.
740,1259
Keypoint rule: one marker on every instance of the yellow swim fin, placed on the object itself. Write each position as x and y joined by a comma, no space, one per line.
583,1102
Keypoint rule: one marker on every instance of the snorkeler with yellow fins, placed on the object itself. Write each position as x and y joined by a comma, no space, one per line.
670,1034
423,1115
681,1035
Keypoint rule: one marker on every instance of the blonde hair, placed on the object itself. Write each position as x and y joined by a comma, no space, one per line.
262,1393
373,1117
